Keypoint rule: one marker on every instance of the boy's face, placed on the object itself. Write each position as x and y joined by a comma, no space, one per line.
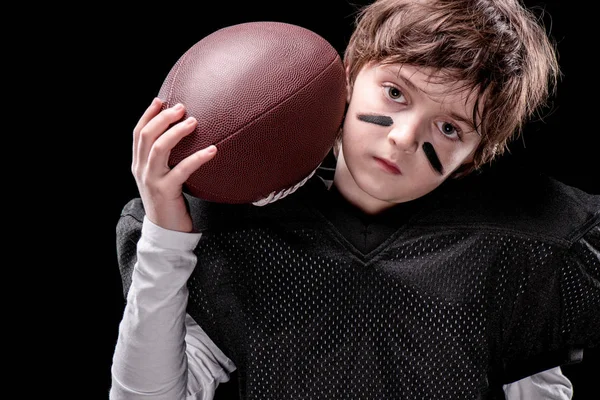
403,135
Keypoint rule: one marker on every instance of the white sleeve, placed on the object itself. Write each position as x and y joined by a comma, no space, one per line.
547,385
161,353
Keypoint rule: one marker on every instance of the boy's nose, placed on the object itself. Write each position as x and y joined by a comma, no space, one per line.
405,137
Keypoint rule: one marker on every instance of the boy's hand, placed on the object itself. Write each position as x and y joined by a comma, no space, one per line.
160,187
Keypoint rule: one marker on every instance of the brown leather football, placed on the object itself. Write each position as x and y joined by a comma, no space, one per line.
271,96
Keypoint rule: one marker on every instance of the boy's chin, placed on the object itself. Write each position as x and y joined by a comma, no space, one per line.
386,195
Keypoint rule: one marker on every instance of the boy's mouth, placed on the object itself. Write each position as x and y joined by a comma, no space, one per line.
388,166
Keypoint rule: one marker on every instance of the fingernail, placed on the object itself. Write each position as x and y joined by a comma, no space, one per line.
211,149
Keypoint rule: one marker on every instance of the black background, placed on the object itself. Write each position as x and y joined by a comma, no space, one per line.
130,53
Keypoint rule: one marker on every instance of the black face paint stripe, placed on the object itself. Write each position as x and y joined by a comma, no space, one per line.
433,158
382,120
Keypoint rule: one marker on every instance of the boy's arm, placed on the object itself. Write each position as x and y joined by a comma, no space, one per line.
546,385
161,353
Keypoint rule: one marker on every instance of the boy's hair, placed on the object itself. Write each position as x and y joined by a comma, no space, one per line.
497,47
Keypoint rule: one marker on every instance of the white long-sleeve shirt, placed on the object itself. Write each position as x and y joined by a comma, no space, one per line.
162,353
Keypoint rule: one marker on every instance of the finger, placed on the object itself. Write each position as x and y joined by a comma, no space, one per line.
186,167
158,158
153,129
151,111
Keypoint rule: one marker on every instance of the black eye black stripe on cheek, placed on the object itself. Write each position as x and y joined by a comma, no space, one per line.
382,120
433,158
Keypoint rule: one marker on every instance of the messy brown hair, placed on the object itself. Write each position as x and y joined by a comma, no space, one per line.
498,48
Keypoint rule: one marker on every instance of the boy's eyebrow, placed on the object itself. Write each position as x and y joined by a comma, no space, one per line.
396,71
466,121
407,82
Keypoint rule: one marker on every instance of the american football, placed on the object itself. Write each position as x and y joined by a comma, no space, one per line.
270,95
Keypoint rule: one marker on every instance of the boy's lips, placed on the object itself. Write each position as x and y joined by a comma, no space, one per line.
389,166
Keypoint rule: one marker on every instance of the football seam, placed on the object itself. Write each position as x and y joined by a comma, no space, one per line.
172,85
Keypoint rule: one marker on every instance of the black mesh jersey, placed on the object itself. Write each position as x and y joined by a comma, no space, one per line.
446,297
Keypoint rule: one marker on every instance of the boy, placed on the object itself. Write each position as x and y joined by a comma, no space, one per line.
392,279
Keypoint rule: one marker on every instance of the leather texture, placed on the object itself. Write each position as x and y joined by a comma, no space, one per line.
270,95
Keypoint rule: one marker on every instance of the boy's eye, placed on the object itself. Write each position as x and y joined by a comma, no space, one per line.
449,130
394,93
